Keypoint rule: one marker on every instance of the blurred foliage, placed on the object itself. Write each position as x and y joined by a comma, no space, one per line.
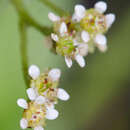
90,88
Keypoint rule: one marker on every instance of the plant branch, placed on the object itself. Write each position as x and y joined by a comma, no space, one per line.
28,19
23,50
54,7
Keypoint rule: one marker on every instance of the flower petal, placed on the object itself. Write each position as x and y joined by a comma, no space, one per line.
79,12
101,6
68,61
62,94
85,36
52,114
39,128
110,18
31,94
22,103
23,123
80,60
54,74
34,71
63,28
53,17
40,100
54,37
100,39
83,49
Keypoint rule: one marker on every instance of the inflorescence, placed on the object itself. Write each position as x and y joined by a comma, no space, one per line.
77,35
43,94
73,37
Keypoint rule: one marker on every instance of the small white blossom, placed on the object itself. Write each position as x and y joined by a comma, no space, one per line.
52,114
62,94
34,71
53,17
54,74
80,60
39,128
101,6
23,123
31,94
110,18
68,61
22,103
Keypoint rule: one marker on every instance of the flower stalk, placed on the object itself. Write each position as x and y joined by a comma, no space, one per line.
23,50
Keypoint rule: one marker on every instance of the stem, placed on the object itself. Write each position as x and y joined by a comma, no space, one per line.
55,8
28,19
23,49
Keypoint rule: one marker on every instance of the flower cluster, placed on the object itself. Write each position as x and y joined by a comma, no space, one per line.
74,37
43,95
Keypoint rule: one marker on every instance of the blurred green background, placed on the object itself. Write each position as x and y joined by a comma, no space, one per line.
100,94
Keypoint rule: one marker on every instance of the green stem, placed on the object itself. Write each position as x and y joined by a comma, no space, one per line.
23,50
28,19
55,8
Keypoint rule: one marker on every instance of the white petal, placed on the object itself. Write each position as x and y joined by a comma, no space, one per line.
68,61
85,36
39,128
102,48
53,17
22,103
63,28
79,12
50,105
100,39
101,6
80,60
23,123
40,100
52,114
54,37
110,18
83,49
31,94
54,74
34,71
62,94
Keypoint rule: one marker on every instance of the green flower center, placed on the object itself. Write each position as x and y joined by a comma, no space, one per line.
93,22
65,46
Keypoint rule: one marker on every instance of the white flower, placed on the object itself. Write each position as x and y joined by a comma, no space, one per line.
22,103
79,13
101,6
80,60
54,74
40,100
34,71
31,92
63,29
110,18
62,94
53,17
39,128
52,114
85,36
68,61
23,123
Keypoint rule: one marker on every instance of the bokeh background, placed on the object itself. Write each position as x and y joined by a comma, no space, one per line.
100,93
